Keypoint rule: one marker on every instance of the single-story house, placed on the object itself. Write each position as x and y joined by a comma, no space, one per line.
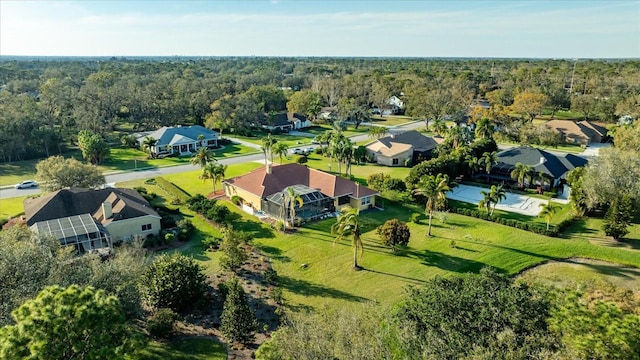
583,132
263,190
398,149
285,121
554,166
92,219
180,140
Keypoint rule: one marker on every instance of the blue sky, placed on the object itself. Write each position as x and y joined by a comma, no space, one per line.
455,28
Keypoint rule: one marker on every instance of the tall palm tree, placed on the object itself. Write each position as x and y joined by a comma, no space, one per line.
438,126
377,132
548,210
280,149
348,224
219,172
484,128
202,157
519,173
498,193
473,163
267,146
488,159
434,189
147,145
289,201
486,201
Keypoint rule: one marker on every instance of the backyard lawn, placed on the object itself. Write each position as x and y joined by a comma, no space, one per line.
185,349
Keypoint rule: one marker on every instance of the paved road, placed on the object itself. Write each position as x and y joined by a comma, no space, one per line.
140,174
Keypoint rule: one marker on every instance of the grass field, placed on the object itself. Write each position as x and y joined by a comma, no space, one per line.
391,120
120,159
185,349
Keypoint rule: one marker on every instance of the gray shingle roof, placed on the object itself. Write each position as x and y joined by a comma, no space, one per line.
419,142
539,160
181,134
126,204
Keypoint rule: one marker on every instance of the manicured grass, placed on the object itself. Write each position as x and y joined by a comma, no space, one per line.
391,120
328,278
185,349
191,183
11,207
572,272
17,171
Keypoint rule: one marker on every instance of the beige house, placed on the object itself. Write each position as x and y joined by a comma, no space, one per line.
401,149
583,132
264,190
92,219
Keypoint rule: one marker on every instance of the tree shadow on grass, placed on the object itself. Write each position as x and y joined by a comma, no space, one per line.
620,271
306,288
445,261
274,253
254,229
405,278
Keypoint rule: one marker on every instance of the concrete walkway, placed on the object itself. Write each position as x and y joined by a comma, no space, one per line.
521,204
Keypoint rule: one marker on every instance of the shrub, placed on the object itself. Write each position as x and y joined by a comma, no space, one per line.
173,281
161,323
302,159
238,321
271,276
237,200
394,233
376,181
218,213
178,195
186,227
394,184
415,218
169,237
212,243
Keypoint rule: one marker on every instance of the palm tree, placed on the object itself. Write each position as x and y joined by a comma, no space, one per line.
280,149
498,193
377,132
473,163
484,128
438,126
348,224
202,157
434,189
147,145
488,159
267,146
519,173
219,172
486,201
289,200
548,210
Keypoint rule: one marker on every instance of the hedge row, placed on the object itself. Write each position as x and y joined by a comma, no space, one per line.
535,228
179,196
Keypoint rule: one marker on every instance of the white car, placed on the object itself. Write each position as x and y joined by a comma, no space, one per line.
26,184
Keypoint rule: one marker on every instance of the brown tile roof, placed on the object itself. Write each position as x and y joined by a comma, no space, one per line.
260,183
126,204
390,149
599,129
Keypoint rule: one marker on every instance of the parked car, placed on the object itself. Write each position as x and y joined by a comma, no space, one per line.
26,184
297,151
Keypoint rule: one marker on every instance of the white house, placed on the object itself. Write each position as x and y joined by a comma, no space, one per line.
181,140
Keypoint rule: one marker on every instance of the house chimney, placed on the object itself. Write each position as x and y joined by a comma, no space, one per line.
268,168
107,210
542,159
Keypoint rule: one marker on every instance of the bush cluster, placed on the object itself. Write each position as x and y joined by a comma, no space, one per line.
522,225
382,182
179,196
208,208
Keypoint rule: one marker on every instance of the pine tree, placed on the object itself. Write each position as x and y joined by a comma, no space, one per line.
238,321
618,217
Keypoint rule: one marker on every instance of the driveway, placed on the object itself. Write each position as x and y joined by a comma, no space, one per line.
594,149
521,204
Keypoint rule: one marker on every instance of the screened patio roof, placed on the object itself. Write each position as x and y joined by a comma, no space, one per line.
307,194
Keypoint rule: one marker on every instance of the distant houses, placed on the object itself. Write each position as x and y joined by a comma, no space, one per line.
582,132
285,122
179,140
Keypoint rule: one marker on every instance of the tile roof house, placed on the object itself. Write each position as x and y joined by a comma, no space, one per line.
583,132
322,193
397,149
285,121
180,140
553,166
92,219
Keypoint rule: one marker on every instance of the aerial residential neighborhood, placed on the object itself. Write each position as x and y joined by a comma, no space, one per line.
319,180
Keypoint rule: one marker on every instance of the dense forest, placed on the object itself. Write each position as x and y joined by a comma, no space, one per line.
44,102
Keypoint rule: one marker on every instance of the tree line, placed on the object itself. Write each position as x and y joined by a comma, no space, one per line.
45,103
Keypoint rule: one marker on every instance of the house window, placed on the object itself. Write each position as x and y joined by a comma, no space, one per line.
366,200
395,161
146,227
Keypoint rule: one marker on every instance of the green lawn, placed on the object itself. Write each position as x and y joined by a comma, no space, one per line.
121,158
391,120
185,349
11,207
